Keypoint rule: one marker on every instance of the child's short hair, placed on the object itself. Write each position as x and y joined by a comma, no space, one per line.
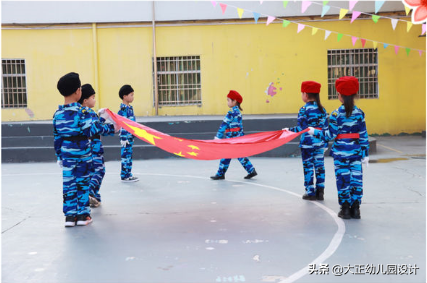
68,84
125,90
87,91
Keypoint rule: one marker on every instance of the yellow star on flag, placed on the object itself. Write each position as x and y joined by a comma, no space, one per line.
192,153
179,154
193,147
178,139
143,134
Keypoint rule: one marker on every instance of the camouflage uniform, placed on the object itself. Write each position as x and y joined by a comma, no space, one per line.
72,125
312,149
347,152
232,127
126,151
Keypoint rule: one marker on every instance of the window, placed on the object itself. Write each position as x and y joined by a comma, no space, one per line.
14,85
360,63
179,81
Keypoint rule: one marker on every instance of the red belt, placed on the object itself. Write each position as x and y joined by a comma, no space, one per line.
318,129
232,130
347,136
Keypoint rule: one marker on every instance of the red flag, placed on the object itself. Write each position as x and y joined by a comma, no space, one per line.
244,146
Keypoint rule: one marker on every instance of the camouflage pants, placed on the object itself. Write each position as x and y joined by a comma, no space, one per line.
225,163
313,162
76,177
349,180
98,173
126,154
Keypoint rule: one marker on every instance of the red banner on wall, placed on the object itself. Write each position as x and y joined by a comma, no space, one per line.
244,146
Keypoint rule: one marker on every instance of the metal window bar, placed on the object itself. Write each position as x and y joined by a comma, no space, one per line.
361,63
14,87
179,80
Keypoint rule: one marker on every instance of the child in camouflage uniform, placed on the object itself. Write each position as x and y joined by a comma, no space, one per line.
72,127
350,148
232,127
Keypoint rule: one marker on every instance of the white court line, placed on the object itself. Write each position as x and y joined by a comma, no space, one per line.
329,251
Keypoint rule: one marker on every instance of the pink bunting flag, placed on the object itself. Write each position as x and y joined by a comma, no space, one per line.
363,42
424,29
351,5
354,16
213,3
420,52
223,7
354,39
396,49
304,6
300,27
270,19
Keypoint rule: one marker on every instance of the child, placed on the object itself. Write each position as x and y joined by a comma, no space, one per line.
350,149
72,125
312,149
88,100
232,127
126,139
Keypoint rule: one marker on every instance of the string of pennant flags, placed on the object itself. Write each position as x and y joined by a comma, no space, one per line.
300,26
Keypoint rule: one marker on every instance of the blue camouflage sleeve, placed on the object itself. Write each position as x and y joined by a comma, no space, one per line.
363,137
224,125
124,135
331,131
57,141
302,121
91,127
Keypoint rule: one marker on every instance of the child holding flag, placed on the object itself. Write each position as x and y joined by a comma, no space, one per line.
350,149
232,127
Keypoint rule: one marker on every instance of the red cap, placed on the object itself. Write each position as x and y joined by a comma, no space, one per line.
347,85
310,87
235,96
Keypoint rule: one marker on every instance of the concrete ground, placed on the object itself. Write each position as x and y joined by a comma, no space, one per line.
177,225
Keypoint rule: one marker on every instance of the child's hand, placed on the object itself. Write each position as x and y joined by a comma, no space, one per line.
311,130
124,143
365,161
285,129
59,162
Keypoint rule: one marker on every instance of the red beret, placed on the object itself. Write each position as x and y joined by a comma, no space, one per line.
347,85
310,87
235,96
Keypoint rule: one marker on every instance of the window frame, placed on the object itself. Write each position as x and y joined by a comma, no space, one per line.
7,91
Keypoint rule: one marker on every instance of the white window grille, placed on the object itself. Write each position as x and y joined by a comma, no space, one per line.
360,63
14,85
179,81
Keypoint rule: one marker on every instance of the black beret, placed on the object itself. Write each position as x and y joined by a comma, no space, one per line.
125,90
69,83
87,91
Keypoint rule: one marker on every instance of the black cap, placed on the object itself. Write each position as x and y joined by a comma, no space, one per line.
125,90
87,91
68,84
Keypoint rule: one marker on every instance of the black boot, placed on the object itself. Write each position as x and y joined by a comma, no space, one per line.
345,211
250,175
217,177
320,193
355,210
308,197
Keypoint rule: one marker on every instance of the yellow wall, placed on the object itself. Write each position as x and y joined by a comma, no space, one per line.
244,57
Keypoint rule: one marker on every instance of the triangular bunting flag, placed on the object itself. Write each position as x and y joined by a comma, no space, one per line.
375,18
355,15
285,3
325,2
286,23
420,52
375,44
327,33
270,19
424,29
213,3
343,12
256,16
354,39
378,5
300,27
408,26
240,12
363,42
223,7
339,36
325,9
394,23
407,51
351,5
304,6
407,9
385,45
396,49
314,31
